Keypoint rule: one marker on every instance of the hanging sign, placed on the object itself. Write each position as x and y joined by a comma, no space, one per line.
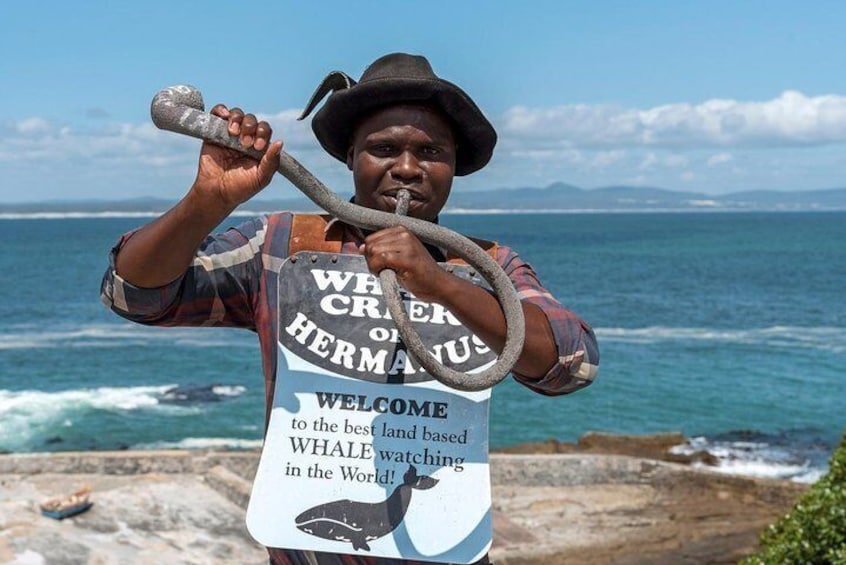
365,453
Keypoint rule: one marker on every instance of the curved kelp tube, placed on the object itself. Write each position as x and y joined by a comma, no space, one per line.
361,522
180,109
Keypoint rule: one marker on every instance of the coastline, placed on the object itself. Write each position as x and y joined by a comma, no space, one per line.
188,506
83,215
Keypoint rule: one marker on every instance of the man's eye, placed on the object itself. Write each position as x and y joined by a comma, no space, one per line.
382,149
431,151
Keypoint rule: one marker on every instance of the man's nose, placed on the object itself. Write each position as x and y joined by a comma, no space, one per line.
406,167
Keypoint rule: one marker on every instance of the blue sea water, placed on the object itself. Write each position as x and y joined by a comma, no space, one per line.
728,327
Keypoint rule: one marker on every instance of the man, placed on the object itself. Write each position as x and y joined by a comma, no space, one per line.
400,126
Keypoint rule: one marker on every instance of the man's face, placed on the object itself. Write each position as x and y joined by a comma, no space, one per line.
409,147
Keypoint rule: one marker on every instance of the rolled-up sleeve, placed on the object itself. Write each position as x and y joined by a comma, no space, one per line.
578,352
218,288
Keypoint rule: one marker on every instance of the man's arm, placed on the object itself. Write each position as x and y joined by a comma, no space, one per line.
400,250
161,251
481,312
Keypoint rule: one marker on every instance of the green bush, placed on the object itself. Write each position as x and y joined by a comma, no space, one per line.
814,532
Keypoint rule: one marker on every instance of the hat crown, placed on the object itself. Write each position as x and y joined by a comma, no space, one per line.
395,79
398,66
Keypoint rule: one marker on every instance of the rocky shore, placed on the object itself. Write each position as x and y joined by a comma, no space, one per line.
561,503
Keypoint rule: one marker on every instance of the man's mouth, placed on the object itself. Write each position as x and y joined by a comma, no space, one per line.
391,197
392,193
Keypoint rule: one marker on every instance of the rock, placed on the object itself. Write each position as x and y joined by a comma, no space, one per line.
651,446
54,548
96,521
703,457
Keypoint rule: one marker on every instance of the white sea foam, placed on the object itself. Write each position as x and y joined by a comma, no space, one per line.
118,335
87,215
755,459
203,443
107,214
792,337
28,336
74,215
766,470
27,413
228,390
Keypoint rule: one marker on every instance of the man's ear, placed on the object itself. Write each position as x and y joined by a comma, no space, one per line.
350,153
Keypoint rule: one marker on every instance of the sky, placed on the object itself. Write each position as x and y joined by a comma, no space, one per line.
712,97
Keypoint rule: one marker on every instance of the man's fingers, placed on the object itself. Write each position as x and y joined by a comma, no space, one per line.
248,130
252,132
262,135
385,234
248,124
389,247
236,116
221,111
269,163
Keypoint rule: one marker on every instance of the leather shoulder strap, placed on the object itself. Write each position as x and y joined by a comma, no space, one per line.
490,248
309,233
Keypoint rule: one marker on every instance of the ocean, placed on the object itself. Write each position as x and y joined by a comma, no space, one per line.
727,327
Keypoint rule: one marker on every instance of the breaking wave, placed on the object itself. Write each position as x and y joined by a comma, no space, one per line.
758,454
203,443
831,339
104,214
120,335
30,414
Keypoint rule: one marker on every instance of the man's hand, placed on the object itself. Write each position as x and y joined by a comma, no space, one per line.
399,250
227,178
162,250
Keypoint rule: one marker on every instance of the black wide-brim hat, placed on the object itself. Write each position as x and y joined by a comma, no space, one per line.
396,79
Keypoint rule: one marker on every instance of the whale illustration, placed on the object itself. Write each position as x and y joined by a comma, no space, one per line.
361,522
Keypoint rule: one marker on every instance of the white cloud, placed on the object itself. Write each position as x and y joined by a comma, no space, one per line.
670,161
293,132
567,156
32,126
719,159
39,139
36,138
649,161
585,145
676,161
604,159
108,158
791,119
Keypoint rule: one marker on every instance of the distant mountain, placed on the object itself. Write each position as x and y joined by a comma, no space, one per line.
553,198
564,197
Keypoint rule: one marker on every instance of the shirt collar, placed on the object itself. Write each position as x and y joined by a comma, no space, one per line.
438,253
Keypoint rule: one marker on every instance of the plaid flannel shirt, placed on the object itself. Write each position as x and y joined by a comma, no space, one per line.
232,282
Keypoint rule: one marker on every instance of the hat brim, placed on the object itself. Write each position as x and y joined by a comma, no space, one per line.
336,120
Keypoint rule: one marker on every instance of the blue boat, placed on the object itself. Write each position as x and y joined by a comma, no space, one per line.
61,508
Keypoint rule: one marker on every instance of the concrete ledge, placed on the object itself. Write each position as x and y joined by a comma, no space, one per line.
230,485
243,463
548,470
188,506
523,470
573,470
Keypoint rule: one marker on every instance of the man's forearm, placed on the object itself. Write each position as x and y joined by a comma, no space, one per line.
482,314
161,251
